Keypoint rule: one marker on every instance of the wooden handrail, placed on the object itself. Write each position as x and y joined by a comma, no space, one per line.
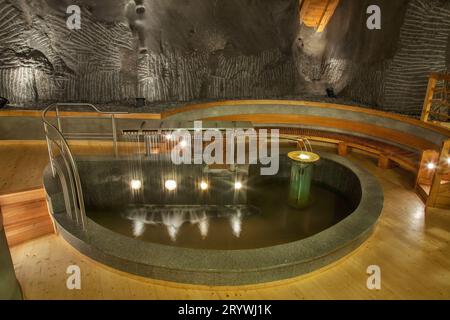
432,89
440,76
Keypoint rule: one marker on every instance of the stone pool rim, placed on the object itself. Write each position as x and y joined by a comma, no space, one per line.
232,267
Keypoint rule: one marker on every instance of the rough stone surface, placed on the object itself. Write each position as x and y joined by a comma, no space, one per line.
398,83
194,50
170,51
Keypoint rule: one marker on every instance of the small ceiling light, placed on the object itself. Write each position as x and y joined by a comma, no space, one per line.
431,166
170,185
136,184
238,185
203,185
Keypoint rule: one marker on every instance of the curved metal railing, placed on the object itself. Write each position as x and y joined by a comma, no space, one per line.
56,138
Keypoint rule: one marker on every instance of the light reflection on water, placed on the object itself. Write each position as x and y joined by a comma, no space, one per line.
173,217
265,220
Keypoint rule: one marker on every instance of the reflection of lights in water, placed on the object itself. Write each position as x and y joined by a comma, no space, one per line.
431,166
170,185
448,160
236,223
173,218
168,136
173,231
204,185
154,150
138,228
203,226
303,156
238,185
173,222
136,184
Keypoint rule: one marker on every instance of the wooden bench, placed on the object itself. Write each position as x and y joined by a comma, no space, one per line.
388,155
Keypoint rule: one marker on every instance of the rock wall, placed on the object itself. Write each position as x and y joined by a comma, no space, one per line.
179,51
398,82
175,51
347,52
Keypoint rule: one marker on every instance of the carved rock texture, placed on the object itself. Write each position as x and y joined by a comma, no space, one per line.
193,50
176,50
398,83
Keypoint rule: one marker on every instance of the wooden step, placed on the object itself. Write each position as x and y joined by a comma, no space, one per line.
25,216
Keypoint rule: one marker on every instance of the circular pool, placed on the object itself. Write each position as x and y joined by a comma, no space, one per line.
221,233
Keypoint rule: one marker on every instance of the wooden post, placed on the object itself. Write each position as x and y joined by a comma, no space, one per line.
425,176
440,171
385,163
428,98
342,149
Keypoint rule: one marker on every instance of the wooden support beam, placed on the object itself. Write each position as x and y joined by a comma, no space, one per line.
343,149
384,162
428,99
424,175
440,198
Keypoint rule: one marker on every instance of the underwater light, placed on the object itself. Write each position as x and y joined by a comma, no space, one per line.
238,185
303,156
170,185
203,185
136,184
431,166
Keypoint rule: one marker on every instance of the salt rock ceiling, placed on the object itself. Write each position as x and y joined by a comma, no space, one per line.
180,50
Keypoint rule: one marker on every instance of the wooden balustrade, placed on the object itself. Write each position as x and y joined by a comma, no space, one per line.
433,178
436,106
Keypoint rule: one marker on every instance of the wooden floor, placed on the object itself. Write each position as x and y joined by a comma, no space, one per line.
412,250
21,165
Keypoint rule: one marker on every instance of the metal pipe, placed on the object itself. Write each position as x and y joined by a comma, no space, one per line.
114,133
58,120
66,192
49,148
90,106
71,181
72,165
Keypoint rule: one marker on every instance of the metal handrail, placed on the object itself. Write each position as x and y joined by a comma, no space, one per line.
67,155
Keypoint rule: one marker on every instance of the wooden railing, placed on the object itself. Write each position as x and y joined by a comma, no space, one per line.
436,106
433,178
